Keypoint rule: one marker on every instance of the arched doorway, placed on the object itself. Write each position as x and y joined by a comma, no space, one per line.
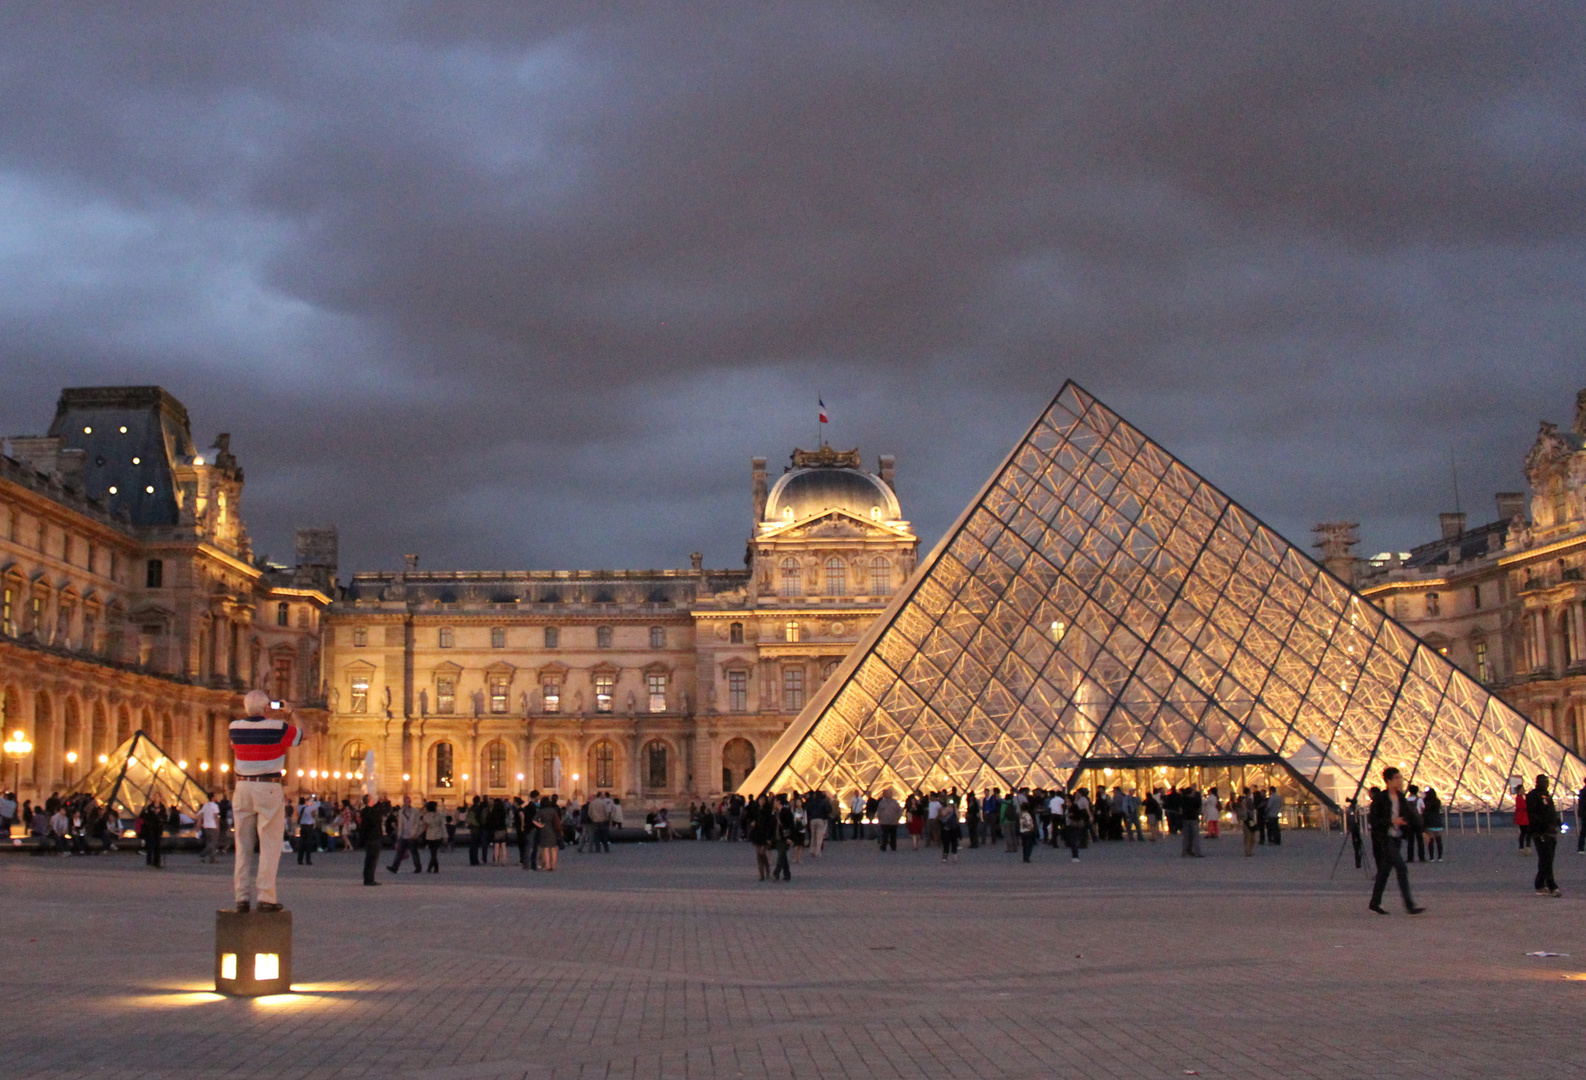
43,740
75,760
737,761
550,754
441,775
99,733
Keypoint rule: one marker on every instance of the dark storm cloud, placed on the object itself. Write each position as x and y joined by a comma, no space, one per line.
512,284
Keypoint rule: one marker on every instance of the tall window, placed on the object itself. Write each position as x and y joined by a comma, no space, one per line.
90,629
657,687
603,637
603,688
792,578
443,765
281,678
1483,665
737,691
360,636
1475,597
283,614
354,757
498,637
446,638
828,668
655,764
880,577
496,765
836,577
791,630
550,750
8,612
498,693
657,637
155,574
792,689
360,694
445,693
735,633
551,693
553,637
1432,605
603,765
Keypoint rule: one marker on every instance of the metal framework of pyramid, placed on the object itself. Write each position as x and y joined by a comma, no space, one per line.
1100,604
134,772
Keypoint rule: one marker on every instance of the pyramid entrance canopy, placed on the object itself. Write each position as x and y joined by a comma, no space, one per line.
135,772
1100,604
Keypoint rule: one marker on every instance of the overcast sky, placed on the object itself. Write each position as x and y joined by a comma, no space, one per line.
529,290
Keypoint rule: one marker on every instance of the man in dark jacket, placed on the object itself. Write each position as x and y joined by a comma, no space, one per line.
371,828
1189,805
1389,815
1544,825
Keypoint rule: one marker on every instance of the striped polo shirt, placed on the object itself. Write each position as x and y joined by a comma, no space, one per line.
260,744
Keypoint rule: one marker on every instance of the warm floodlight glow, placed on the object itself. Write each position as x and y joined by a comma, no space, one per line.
224,767
406,778
123,429
465,777
182,765
1090,526
203,766
104,759
313,774
148,489
337,774
300,772
575,778
88,431
228,965
112,489
266,966
71,757
520,777
198,459
137,461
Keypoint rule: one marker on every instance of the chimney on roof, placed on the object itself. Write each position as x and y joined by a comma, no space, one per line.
1453,524
1580,412
757,472
889,468
1511,505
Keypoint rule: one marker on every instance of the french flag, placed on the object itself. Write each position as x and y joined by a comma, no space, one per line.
823,410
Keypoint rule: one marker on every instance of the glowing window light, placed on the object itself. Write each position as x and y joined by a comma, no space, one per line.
266,966
228,965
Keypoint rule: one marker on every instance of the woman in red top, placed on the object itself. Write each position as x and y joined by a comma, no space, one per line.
1522,819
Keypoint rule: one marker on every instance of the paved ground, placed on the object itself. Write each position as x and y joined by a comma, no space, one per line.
672,961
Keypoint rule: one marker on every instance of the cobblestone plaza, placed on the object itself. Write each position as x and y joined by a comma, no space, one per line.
672,961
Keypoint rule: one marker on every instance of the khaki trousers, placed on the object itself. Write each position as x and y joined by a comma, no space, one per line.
259,809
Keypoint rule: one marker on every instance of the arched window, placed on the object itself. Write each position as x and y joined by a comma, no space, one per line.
737,760
655,764
550,754
441,764
880,577
603,765
790,632
735,633
792,578
353,756
496,764
836,577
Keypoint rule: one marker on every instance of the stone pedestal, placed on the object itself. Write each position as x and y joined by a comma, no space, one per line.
253,953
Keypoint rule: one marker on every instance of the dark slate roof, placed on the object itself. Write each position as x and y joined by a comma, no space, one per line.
1470,544
156,434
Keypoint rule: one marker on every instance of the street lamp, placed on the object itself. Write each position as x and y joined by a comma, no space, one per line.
17,747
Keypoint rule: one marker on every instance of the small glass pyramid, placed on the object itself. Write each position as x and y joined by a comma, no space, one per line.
1100,604
134,772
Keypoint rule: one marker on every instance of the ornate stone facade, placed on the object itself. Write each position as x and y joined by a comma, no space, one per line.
662,686
1505,600
130,596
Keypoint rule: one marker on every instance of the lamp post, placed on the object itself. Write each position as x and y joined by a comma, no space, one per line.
17,748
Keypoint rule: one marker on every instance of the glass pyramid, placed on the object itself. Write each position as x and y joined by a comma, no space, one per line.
134,772
1100,604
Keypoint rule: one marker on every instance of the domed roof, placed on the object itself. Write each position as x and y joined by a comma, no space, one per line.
811,491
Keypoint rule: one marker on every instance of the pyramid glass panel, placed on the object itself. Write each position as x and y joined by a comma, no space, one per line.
1100,602
135,772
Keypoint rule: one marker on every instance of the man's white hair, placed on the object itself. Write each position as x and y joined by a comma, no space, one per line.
256,702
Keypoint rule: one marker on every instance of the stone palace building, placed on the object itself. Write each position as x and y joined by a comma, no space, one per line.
1504,600
660,686
130,597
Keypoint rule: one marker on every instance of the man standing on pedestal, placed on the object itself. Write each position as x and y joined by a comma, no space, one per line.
259,744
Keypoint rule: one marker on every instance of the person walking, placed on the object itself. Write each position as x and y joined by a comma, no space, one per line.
432,825
1025,829
762,831
947,816
1544,822
888,814
409,837
1076,825
1432,824
307,815
153,834
1190,806
259,744
1352,825
1522,818
1274,820
1388,817
371,830
819,807
209,829
972,818
784,837
1153,814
